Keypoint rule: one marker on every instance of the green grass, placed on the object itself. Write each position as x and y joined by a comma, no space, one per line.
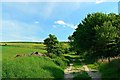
110,70
11,51
25,45
93,66
0,62
77,65
0,69
27,66
31,67
72,56
74,59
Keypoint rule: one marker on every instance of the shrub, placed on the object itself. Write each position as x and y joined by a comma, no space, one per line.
82,76
110,70
59,60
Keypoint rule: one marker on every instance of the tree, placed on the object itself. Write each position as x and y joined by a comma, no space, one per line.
98,33
53,45
70,38
106,39
85,35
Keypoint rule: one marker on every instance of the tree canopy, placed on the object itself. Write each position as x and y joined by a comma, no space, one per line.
51,42
53,45
98,34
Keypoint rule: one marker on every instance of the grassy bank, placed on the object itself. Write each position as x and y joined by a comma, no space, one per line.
28,66
31,67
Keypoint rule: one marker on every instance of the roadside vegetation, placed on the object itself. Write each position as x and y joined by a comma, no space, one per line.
110,70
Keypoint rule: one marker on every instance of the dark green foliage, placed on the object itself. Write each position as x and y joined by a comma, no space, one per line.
85,35
55,51
106,39
110,70
70,38
82,76
59,60
98,35
53,45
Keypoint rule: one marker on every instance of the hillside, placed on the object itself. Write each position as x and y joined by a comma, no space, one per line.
28,66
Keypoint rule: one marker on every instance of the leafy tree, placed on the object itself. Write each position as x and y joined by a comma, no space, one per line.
85,35
53,45
106,39
97,34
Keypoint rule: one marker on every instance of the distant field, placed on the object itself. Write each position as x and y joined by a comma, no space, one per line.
22,44
9,50
27,66
12,51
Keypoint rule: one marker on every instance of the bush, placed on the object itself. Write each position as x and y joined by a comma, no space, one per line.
59,60
82,76
110,70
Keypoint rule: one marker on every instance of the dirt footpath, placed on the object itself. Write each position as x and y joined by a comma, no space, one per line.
95,75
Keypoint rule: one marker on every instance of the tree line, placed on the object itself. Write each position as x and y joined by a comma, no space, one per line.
97,36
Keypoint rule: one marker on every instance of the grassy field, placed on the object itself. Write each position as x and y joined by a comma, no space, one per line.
27,66
25,45
11,51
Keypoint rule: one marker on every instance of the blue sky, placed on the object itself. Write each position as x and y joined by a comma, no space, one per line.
34,21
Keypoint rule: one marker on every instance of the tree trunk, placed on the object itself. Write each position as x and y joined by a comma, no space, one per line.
102,58
109,59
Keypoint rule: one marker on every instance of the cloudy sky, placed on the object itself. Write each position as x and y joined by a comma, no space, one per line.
34,21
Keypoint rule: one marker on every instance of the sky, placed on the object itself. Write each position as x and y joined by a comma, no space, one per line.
34,21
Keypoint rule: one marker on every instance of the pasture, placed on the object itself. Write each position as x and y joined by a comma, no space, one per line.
27,66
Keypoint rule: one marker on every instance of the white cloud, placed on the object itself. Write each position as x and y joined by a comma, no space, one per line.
64,24
36,22
100,1
60,22
74,27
